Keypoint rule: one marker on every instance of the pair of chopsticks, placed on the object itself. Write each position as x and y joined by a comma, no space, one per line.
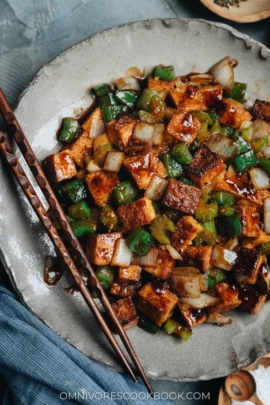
16,132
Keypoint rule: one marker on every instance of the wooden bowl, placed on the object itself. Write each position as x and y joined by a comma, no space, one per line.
224,398
248,11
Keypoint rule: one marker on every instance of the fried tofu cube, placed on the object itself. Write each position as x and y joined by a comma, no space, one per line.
81,147
191,316
120,130
183,126
251,300
94,125
161,86
198,257
181,197
100,248
232,113
60,166
137,213
228,294
129,275
156,303
187,229
261,110
101,185
250,218
205,166
125,312
257,197
232,183
248,263
164,266
251,243
143,166
125,290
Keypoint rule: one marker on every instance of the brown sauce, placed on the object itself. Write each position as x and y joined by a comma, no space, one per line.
53,270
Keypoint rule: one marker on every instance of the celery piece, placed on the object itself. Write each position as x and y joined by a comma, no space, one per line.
69,130
126,97
146,117
208,235
206,212
144,101
108,217
226,131
165,72
171,326
247,134
202,116
203,132
160,227
157,108
259,144
215,127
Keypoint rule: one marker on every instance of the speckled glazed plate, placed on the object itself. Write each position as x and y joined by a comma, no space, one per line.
61,88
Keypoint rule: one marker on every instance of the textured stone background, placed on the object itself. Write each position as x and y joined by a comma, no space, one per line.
32,32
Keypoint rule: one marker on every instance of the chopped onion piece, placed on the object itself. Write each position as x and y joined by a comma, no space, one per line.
223,73
158,134
186,282
201,78
219,319
150,259
267,216
122,255
92,166
173,252
128,83
239,278
204,281
97,128
205,300
266,151
259,178
169,112
156,188
144,132
113,161
245,124
260,129
223,258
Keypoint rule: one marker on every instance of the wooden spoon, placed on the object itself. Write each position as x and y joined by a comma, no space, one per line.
248,11
241,386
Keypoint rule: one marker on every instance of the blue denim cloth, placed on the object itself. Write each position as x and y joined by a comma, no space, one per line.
41,368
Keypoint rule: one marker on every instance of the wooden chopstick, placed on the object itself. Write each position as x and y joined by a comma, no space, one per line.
23,144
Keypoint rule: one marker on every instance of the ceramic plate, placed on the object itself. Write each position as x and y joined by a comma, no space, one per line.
61,88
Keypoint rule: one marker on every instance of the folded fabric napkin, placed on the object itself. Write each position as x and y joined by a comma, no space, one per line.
41,368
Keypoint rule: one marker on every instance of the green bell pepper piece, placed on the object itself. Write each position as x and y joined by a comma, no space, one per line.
247,133
245,161
181,153
202,116
105,275
208,235
226,210
215,128
110,112
243,146
223,198
160,227
69,130
79,210
213,115
107,100
144,101
203,132
215,276
101,89
164,72
264,248
259,144
171,326
146,117
265,163
226,131
172,214
139,241
125,193
82,228
147,324
187,181
238,93
109,217
206,212
76,190
126,97
229,226
99,155
173,168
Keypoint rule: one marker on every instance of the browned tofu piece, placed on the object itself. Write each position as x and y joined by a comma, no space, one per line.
205,166
129,275
60,166
261,110
251,300
137,213
237,185
120,130
81,174
198,257
251,243
248,263
232,113
187,229
228,294
250,218
195,98
100,248
101,185
94,125
257,197
154,83
164,266
126,313
143,166
183,126
156,302
191,316
125,290
181,197
80,147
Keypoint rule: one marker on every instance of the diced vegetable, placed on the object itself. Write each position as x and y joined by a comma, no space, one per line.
229,226
203,132
113,161
186,282
223,146
223,258
205,213
238,93
124,193
259,144
245,161
144,132
156,188
108,99
160,227
267,216
223,198
265,163
149,259
106,275
92,166
128,83
80,210
126,97
76,190
174,169
158,134
181,153
226,210
203,116
139,241
224,74
69,130
100,154
147,324
259,178
165,72
171,326
208,235
82,228
198,303
101,89
122,255
216,276
173,252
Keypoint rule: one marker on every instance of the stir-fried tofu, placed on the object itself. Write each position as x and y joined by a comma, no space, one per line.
195,98
154,83
100,248
205,166
234,184
257,197
250,218
120,130
248,263
129,275
187,229
251,243
228,294
164,266
94,125
137,213
125,290
60,166
191,316
198,257
183,126
143,166
125,312
251,300
181,197
156,302
101,185
232,113
261,110
81,147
